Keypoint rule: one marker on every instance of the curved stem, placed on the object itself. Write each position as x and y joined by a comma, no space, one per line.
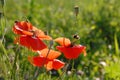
64,71
37,71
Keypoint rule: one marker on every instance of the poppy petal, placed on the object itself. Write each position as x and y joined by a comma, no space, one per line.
23,40
41,34
72,52
63,41
54,64
57,64
51,55
33,43
22,28
38,61
49,65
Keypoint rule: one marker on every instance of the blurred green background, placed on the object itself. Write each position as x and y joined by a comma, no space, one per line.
97,24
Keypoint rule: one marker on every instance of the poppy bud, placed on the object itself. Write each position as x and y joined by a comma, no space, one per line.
16,21
46,33
26,20
2,2
76,9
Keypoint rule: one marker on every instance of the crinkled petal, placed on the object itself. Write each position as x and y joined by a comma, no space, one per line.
57,64
63,41
38,61
49,65
72,52
51,55
23,28
33,43
54,64
41,34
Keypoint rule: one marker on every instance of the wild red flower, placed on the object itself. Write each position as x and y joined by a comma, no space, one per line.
26,28
31,42
69,50
49,61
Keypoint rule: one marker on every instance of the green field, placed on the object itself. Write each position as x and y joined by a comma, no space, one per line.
97,24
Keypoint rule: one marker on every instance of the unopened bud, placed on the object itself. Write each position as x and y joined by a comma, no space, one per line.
46,33
2,2
76,9
16,21
1,14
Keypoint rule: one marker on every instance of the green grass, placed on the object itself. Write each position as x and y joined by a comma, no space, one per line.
97,24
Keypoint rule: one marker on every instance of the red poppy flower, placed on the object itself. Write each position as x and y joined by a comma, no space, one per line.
26,28
50,61
51,55
70,51
39,61
54,64
31,42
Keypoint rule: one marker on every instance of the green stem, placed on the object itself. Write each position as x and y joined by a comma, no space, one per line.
3,20
73,64
72,70
13,71
5,51
64,71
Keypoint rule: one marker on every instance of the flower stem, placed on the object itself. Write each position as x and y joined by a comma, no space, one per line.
37,71
64,71
13,71
72,70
